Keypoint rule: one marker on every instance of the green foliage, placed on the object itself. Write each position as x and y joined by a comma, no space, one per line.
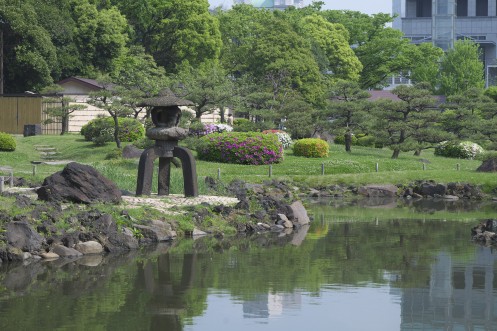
101,130
241,148
311,147
366,141
245,125
114,154
461,68
461,150
340,140
7,142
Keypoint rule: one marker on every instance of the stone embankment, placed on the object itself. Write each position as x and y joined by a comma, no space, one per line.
48,231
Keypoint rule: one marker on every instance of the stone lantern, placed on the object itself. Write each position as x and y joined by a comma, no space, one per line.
166,114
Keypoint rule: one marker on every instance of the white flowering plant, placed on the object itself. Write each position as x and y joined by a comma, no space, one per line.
463,150
283,137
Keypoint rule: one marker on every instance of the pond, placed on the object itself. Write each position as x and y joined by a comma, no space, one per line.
363,265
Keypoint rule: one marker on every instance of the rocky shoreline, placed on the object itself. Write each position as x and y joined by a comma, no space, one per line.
245,208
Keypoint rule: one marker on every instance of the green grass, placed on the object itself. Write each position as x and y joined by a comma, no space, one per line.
358,167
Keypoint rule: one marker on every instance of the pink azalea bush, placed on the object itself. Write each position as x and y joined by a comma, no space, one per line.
241,148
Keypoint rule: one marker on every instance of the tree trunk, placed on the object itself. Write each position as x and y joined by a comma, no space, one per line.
396,153
116,132
348,142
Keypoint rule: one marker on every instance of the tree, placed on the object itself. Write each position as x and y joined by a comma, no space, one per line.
141,77
347,109
398,122
109,98
207,86
332,40
100,36
29,56
425,67
461,68
186,34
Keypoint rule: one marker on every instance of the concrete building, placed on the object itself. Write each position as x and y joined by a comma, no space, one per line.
272,4
444,21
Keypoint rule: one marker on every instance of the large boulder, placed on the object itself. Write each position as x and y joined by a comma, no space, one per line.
21,235
378,191
489,165
79,183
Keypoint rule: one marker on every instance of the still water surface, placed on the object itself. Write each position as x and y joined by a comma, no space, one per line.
358,267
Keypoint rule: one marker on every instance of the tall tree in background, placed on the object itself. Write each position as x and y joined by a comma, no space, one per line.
29,56
425,65
461,68
332,41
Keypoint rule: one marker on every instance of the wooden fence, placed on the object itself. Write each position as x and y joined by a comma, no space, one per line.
16,111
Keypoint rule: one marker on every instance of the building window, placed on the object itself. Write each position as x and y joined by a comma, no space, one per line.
481,7
462,8
423,8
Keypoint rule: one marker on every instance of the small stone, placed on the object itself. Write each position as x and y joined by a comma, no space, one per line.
64,251
196,232
89,247
49,256
26,256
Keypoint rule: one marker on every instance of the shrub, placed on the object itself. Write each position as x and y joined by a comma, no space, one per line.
311,147
340,140
200,129
7,142
115,154
144,143
101,130
241,148
462,150
245,125
283,137
366,141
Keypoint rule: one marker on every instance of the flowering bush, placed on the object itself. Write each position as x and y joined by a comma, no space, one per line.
204,129
241,148
463,150
311,147
283,137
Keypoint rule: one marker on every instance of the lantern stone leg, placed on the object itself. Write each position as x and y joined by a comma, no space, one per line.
189,170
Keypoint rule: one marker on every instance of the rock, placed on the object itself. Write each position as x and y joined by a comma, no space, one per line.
378,190
64,251
450,197
26,256
297,213
49,256
131,152
118,242
300,235
156,231
80,184
22,236
196,232
489,165
23,201
90,260
89,247
431,189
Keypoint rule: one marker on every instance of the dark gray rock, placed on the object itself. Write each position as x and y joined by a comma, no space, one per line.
21,235
132,152
80,184
430,189
64,251
157,231
489,165
378,190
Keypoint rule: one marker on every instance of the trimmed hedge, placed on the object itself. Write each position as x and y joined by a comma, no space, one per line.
7,142
101,130
311,147
240,148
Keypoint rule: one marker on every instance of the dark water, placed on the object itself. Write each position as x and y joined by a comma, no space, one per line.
358,267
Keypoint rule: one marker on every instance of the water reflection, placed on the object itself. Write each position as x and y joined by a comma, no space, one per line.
359,268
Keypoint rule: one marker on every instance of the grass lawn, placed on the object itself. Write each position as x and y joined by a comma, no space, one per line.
358,167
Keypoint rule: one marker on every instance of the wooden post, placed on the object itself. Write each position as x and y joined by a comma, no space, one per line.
1,184
457,167
218,173
11,181
322,168
270,170
34,169
377,167
424,166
